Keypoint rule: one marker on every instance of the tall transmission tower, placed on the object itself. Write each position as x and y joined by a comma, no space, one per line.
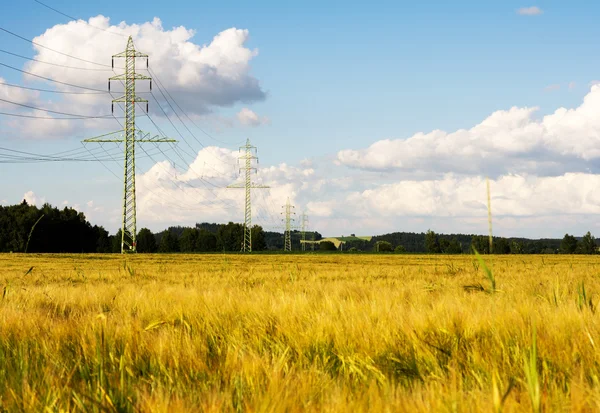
303,230
248,156
128,136
288,225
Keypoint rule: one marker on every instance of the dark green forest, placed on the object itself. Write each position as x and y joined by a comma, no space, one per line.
27,228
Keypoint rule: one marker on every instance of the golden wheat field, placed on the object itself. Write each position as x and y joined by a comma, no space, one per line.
268,333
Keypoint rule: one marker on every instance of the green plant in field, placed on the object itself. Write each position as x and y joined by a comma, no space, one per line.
556,293
127,269
487,271
31,232
583,300
531,375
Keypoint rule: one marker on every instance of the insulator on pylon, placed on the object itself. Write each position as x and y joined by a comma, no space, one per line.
109,85
147,63
113,62
112,108
147,107
150,85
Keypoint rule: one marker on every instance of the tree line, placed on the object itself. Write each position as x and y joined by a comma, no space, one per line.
27,228
433,243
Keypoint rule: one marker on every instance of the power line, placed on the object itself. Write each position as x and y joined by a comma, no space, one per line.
75,18
52,50
271,211
29,157
70,151
176,182
185,114
51,91
17,115
189,166
103,164
50,80
55,112
170,121
50,63
185,207
272,206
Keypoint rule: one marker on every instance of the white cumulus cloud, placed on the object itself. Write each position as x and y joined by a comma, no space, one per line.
17,95
247,117
508,141
367,203
32,199
200,77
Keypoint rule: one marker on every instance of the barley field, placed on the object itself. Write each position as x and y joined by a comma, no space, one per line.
319,333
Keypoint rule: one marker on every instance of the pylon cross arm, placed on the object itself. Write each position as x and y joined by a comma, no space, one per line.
128,53
123,99
156,140
135,76
95,140
119,136
145,137
243,186
116,137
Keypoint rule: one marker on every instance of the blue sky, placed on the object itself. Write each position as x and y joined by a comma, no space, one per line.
339,75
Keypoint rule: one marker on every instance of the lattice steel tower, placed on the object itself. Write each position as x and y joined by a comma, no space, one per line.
248,156
304,225
128,136
288,225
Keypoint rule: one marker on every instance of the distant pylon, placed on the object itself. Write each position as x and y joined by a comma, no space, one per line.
288,225
304,224
128,136
248,155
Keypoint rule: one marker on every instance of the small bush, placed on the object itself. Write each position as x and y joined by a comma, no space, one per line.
383,246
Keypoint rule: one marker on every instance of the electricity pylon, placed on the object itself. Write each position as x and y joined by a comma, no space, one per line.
249,154
128,136
304,222
288,225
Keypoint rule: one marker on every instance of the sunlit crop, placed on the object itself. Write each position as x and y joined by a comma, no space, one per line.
298,333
